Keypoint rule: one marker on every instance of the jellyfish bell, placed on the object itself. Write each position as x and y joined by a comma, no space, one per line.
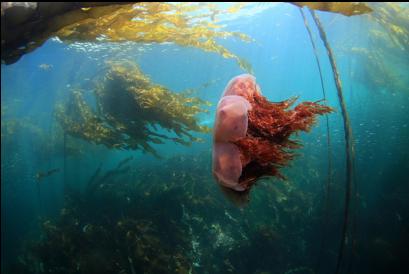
231,118
227,166
243,85
230,125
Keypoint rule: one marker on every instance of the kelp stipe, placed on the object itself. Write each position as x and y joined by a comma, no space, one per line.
349,149
329,150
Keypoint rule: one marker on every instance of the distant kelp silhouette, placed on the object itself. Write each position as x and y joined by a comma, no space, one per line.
384,59
130,111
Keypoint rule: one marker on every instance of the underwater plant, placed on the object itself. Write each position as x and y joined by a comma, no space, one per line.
385,57
185,24
344,8
116,225
29,24
43,143
130,110
394,18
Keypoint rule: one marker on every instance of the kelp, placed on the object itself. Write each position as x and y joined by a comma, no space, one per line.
169,217
344,8
131,110
47,142
384,60
380,69
394,19
184,24
349,146
10,128
98,180
329,149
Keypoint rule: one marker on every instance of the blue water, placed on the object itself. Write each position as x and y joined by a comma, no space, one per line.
269,235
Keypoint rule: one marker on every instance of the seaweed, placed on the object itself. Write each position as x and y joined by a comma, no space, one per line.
131,110
344,8
383,61
329,150
98,180
184,226
349,147
184,24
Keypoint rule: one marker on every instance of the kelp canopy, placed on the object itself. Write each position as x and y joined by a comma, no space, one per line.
345,8
185,24
130,111
27,25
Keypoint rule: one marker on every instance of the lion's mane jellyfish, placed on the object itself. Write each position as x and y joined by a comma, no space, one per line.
252,135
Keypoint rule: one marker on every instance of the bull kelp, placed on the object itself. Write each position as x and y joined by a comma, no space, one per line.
130,110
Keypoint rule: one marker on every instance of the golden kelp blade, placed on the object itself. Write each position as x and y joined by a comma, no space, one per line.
184,24
345,8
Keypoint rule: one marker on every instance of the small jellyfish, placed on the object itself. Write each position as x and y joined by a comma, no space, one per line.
252,135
